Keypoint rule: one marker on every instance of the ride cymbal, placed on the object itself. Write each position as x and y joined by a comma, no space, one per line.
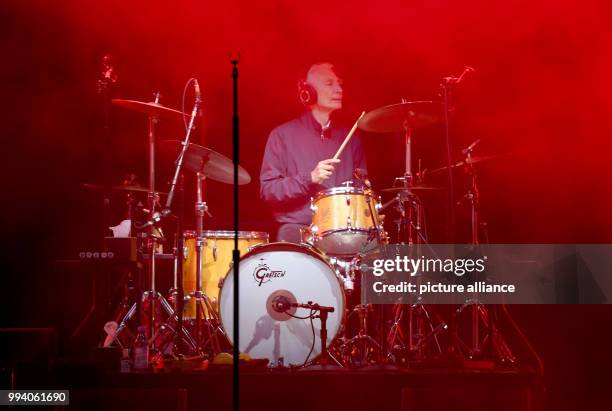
150,108
402,116
208,162
120,187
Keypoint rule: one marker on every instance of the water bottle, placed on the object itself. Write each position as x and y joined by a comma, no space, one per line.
140,350
125,361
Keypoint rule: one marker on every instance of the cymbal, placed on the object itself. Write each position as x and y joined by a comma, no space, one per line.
150,108
208,162
398,117
414,187
121,187
472,160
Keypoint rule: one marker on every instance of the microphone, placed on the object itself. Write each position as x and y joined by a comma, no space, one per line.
457,80
281,304
362,175
198,96
156,218
470,147
108,75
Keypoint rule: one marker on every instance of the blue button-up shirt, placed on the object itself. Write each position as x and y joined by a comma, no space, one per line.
292,152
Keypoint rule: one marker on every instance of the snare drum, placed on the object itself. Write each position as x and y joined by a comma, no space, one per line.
344,220
216,261
296,273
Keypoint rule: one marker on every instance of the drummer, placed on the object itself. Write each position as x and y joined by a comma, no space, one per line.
297,161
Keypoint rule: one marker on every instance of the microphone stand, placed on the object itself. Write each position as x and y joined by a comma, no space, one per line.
323,314
180,330
446,86
234,60
108,77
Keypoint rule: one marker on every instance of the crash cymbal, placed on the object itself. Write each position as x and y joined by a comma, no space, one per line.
398,117
414,187
150,108
121,187
472,160
208,162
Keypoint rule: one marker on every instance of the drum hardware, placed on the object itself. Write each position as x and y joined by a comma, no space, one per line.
323,314
414,345
206,164
153,300
404,117
345,271
478,311
206,320
362,349
493,339
423,323
446,87
411,220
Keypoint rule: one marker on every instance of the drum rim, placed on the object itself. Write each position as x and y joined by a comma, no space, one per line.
313,251
260,235
340,190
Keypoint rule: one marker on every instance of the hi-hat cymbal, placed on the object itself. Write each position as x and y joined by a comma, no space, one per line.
208,162
150,108
472,160
121,187
399,117
414,187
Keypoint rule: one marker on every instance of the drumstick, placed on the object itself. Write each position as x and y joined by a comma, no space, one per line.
348,137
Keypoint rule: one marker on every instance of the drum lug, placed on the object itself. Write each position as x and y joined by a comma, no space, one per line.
314,229
215,251
221,281
348,200
313,207
185,252
349,223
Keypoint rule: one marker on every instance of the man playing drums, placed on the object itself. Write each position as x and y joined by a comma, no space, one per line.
298,159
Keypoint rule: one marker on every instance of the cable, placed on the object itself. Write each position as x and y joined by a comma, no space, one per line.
311,317
191,80
299,318
313,338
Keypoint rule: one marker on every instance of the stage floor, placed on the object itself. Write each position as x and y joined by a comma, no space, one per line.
353,390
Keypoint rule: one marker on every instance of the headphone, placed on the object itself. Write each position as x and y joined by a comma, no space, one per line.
306,93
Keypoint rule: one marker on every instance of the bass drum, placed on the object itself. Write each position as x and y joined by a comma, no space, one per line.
288,272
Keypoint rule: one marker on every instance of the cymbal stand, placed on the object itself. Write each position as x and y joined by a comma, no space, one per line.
362,349
207,322
150,298
478,311
419,319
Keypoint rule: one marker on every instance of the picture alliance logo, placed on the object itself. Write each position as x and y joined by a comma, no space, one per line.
263,274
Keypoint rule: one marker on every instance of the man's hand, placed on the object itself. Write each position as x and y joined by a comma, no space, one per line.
323,170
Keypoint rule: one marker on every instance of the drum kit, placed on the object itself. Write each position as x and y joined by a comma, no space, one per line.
297,301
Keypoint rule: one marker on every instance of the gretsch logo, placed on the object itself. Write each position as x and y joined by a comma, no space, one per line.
263,274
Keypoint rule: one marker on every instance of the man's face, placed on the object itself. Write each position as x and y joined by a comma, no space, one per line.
328,86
